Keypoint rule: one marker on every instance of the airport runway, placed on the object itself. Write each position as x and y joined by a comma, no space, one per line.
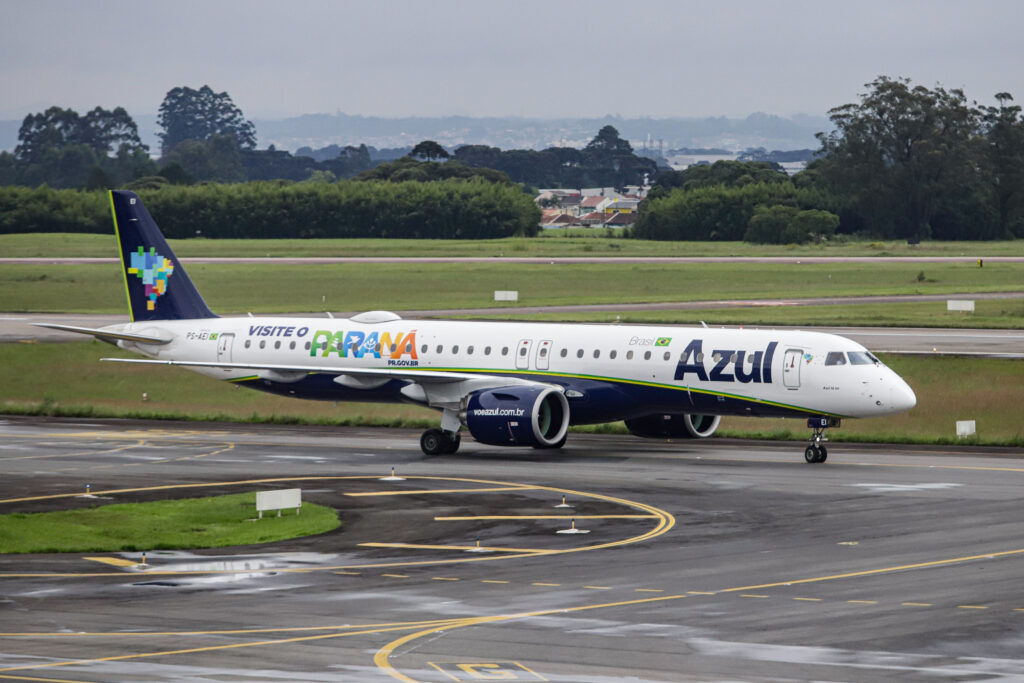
979,342
710,561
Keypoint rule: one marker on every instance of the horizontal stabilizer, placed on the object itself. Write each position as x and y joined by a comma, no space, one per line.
106,334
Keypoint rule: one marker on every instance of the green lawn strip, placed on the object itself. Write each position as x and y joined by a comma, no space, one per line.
275,288
188,523
67,379
572,242
988,314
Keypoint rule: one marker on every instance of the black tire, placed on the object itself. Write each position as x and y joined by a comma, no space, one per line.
433,442
822,454
811,454
453,441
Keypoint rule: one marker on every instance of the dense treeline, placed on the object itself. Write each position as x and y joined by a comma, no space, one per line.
453,209
905,162
607,161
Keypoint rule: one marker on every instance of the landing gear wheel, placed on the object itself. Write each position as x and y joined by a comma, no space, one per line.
433,442
816,451
815,454
453,441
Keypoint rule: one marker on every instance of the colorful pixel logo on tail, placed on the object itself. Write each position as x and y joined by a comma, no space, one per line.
154,270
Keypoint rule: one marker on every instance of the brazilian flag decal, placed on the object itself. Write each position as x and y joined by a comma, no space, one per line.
663,341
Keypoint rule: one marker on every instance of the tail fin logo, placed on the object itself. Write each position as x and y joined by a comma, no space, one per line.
154,270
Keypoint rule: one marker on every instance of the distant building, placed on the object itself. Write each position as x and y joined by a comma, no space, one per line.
618,205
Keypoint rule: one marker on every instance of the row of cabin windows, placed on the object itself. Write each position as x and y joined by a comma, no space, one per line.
522,351
277,344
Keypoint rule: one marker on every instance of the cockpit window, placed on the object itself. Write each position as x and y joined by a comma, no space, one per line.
835,358
862,358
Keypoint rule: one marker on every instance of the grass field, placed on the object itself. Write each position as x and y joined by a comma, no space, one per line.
237,288
68,379
576,242
162,525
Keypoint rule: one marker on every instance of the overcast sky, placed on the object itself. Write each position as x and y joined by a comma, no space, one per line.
484,58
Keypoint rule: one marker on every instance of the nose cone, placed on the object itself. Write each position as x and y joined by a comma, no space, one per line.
901,396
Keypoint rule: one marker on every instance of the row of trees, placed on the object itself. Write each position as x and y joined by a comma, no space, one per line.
447,209
606,161
905,162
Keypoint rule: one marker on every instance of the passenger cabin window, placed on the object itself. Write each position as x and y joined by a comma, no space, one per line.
504,350
292,346
263,343
423,349
308,344
579,353
455,349
469,350
647,355
248,342
440,348
835,358
565,352
487,350
277,344
597,354
544,352
629,355
667,355
522,351
612,354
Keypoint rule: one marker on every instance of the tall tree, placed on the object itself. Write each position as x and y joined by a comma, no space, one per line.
1004,162
48,130
607,141
429,150
188,114
108,131
900,153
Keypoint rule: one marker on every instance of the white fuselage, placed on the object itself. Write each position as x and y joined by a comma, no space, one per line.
609,372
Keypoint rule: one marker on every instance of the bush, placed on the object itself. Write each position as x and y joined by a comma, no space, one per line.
446,209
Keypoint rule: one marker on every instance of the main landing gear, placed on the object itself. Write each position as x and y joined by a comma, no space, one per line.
816,452
439,442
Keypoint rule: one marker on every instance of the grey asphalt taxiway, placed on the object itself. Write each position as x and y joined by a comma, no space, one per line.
704,561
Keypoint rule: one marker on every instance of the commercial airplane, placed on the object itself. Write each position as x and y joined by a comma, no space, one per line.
509,384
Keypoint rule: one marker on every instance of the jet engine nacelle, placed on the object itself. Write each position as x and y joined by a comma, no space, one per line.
676,426
518,416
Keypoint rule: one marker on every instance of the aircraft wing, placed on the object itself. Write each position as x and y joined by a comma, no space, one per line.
406,373
106,335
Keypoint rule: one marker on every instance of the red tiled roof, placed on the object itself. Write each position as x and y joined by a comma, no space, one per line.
621,219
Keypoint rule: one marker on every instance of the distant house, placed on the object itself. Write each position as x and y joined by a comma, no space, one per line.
555,218
620,219
618,205
589,204
571,202
594,218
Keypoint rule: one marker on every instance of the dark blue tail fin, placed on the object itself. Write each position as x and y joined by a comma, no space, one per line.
157,286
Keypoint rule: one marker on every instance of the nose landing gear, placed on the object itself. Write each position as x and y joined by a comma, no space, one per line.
816,452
